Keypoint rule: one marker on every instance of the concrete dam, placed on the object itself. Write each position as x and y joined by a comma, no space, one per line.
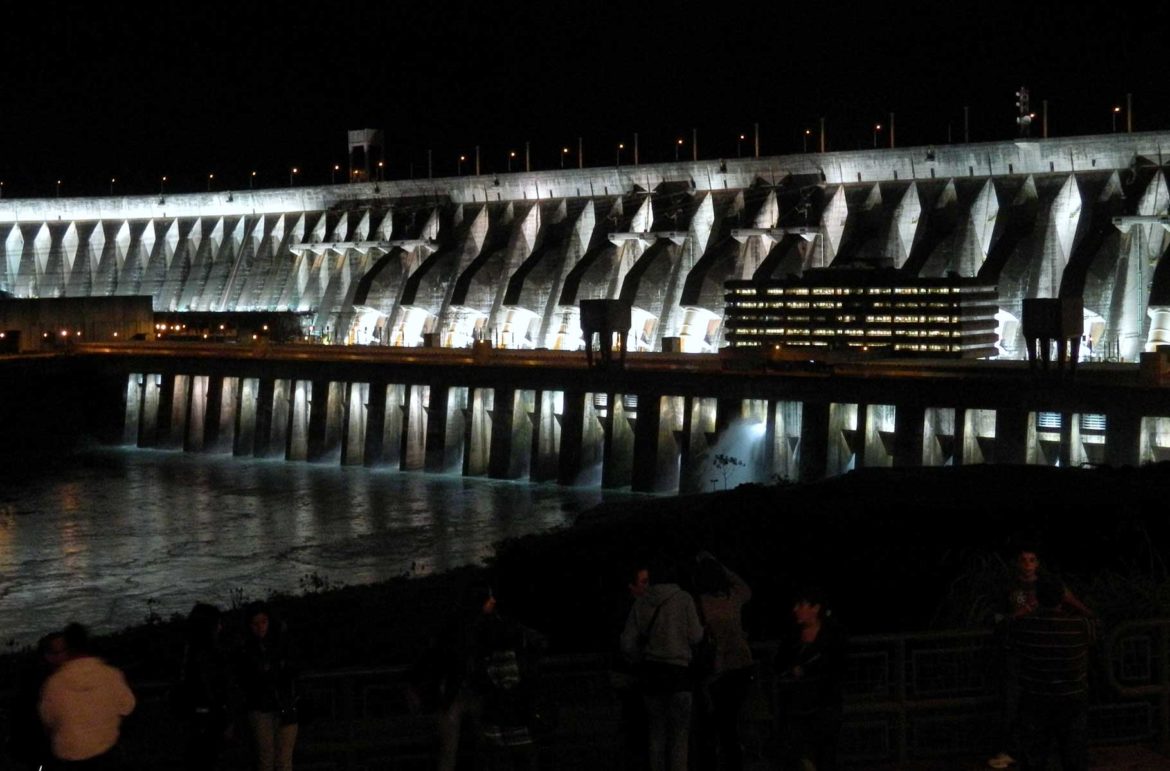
489,272
508,257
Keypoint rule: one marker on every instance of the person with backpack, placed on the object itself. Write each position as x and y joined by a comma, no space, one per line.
660,633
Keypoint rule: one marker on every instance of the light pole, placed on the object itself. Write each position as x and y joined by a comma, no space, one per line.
162,185
1,189
877,129
333,174
459,166
807,134
381,165
292,174
210,177
1116,110
618,159
677,146
252,181
58,188
739,146
112,181
511,157
564,152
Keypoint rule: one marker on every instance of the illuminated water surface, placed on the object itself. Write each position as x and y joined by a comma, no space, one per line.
117,534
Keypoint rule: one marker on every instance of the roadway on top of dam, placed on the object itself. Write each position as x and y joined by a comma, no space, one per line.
1104,387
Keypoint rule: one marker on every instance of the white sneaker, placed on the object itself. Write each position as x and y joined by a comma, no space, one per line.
1002,760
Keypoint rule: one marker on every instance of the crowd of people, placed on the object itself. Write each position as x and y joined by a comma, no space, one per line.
683,672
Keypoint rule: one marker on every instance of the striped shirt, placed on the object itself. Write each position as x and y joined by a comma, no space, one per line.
1053,648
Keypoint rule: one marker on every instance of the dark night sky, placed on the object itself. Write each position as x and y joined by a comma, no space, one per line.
91,92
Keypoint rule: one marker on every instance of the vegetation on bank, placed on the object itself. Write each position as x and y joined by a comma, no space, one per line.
896,549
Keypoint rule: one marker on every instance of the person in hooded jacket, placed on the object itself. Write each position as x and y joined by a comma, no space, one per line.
660,633
82,706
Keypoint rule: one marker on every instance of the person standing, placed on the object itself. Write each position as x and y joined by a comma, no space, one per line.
82,705
269,685
205,689
722,595
1053,648
660,632
810,670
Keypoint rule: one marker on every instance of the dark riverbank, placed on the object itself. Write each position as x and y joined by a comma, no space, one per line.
898,550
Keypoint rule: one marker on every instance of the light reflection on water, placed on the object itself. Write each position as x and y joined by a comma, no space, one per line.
97,539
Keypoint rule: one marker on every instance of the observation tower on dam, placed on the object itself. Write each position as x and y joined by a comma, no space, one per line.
508,257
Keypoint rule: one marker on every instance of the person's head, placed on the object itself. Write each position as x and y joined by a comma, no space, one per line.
203,624
1028,563
810,607
52,649
1049,591
639,581
258,618
76,639
711,578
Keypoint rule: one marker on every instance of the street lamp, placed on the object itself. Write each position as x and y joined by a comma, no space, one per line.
511,155
210,177
162,185
252,180
739,146
292,175
1,189
333,174
58,188
564,152
677,145
112,181
807,134
877,128
620,147
1116,110
381,165
459,166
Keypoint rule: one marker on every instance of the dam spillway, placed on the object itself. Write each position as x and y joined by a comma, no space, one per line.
508,257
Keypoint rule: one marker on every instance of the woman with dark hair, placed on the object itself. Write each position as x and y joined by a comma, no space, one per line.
809,670
269,685
721,597
205,689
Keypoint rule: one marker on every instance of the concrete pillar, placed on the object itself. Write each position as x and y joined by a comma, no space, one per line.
133,404
814,440
318,418
1011,435
195,418
213,412
166,403
244,439
546,434
1068,437
436,431
572,423
618,444
177,428
412,455
266,421
978,445
477,439
786,440
296,445
353,424
148,416
644,466
223,435
374,430
845,438
699,435
392,426
1123,430
503,418
909,422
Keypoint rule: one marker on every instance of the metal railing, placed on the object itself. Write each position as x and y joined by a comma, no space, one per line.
908,697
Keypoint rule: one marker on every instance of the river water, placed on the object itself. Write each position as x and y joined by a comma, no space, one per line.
113,535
